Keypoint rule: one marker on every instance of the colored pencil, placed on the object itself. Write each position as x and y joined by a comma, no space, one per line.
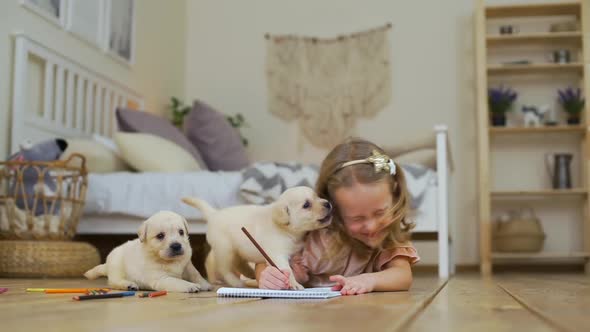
102,296
3,290
70,290
259,248
35,290
160,293
152,294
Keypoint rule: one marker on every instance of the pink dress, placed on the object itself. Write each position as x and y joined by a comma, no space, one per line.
313,270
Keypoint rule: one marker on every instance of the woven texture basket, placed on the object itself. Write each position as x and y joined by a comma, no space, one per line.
31,210
46,258
519,234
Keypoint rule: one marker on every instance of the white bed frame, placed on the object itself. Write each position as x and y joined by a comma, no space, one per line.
79,102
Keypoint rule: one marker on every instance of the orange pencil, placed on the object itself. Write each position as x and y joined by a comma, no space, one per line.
71,290
160,293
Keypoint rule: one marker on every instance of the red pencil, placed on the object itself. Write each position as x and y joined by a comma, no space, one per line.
160,293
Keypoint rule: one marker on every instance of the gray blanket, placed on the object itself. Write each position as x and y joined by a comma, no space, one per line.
263,182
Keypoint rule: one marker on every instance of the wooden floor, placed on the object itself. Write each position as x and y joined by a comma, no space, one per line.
517,302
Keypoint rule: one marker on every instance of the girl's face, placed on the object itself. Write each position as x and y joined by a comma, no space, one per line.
363,209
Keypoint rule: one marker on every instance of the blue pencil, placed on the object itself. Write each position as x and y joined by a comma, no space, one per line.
102,296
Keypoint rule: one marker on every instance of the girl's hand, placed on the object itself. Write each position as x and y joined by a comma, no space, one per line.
363,283
273,278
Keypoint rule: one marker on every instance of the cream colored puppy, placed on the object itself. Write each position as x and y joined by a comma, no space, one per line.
160,259
278,227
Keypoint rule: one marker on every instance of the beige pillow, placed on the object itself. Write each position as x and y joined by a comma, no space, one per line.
99,159
150,153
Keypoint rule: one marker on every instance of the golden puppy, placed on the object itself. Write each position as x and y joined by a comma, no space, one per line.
160,259
278,227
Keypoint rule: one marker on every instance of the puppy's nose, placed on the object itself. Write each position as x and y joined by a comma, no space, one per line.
176,246
328,206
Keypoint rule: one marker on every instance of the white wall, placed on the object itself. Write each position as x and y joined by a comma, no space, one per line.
432,60
432,68
160,51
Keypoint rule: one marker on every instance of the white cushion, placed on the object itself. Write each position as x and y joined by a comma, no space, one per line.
99,159
150,153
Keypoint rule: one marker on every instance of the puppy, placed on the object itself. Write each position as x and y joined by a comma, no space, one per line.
160,259
278,227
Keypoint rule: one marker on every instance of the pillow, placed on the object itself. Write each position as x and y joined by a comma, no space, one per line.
151,153
143,122
107,142
219,143
99,159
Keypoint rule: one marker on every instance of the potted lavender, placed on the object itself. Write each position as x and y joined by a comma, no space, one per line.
573,103
500,101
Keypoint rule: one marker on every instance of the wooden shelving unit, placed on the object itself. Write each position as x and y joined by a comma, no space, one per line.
537,130
535,68
486,69
548,193
543,255
573,38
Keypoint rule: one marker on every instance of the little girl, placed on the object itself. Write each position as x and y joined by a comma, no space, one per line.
366,246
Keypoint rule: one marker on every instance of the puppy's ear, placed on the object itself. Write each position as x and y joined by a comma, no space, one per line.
185,226
280,214
142,231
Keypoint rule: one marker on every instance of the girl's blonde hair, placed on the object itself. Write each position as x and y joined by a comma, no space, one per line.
332,176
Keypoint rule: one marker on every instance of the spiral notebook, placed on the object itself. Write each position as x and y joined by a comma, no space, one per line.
308,293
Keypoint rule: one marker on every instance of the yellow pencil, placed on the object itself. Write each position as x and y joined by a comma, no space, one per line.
36,290
72,290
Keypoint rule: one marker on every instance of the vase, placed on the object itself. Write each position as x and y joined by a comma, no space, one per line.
573,119
498,119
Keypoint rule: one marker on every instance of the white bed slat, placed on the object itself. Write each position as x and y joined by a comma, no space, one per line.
89,110
70,88
98,97
106,124
59,95
80,81
48,90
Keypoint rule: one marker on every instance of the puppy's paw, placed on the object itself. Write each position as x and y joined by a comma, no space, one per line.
132,287
194,288
205,286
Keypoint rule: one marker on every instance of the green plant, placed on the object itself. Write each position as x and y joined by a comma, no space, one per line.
237,121
500,100
179,111
571,100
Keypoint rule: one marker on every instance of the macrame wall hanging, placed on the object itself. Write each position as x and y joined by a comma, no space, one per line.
326,84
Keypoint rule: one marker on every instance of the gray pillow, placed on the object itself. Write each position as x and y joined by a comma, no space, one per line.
131,121
219,143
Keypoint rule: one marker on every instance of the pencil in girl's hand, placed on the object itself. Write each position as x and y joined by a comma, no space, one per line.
102,296
259,248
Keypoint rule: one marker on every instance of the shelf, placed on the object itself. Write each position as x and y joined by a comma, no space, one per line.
535,68
549,9
574,37
537,130
543,193
539,255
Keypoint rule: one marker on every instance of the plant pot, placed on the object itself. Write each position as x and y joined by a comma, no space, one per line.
498,119
573,119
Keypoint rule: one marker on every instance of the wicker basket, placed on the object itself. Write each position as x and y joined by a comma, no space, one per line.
46,258
31,210
519,234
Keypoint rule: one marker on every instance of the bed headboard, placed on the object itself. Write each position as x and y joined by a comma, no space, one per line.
53,95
